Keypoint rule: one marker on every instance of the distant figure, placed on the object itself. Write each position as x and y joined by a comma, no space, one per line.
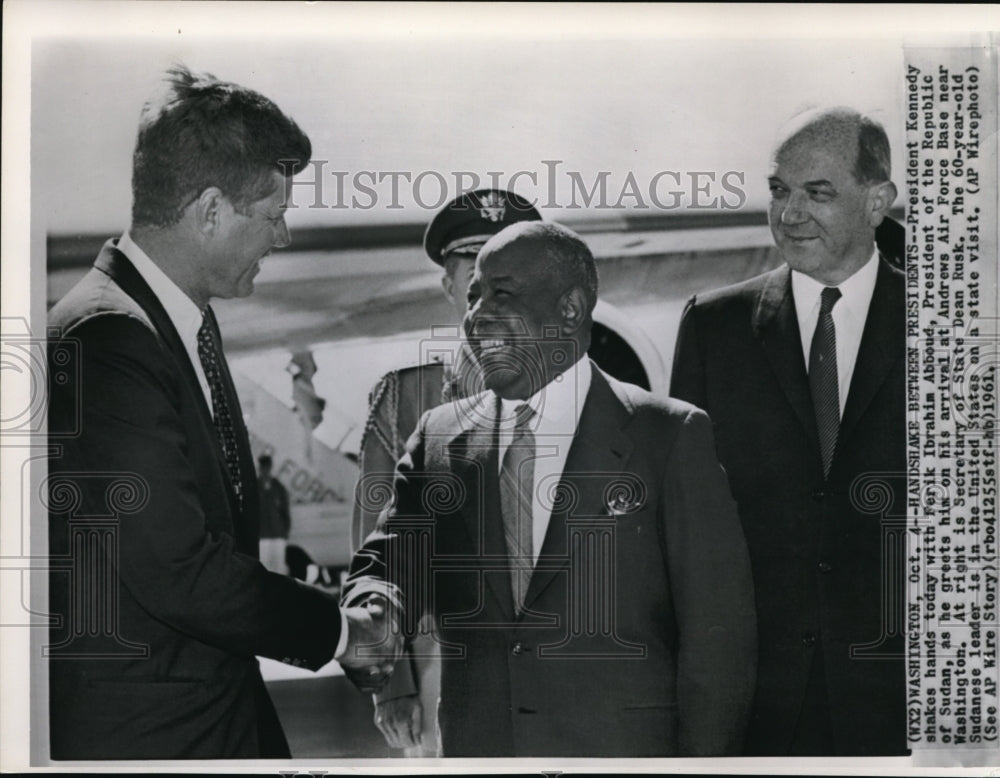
275,518
308,405
302,566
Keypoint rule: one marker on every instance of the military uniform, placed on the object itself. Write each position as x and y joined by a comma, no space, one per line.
395,405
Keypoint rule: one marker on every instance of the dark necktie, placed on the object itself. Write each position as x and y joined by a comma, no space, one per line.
211,362
823,380
517,476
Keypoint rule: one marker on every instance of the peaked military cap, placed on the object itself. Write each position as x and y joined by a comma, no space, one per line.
471,219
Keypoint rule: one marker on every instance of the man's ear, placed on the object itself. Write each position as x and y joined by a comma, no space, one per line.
208,209
448,284
572,310
880,200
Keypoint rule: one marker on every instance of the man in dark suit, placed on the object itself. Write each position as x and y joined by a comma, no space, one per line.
802,373
160,601
405,710
574,537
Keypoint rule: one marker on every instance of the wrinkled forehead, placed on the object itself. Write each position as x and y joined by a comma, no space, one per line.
521,259
828,148
460,264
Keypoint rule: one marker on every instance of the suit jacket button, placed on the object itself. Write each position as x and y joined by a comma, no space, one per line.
825,567
818,495
808,639
517,649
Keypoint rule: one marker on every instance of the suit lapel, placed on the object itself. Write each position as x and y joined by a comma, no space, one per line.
598,452
115,264
473,457
882,344
776,325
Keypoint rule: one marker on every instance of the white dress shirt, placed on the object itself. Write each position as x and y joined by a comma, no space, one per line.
557,407
849,316
183,313
186,318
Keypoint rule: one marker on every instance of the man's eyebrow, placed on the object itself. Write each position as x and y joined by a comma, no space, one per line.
817,182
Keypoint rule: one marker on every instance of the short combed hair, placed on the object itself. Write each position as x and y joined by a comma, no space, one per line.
874,161
202,132
572,260
567,255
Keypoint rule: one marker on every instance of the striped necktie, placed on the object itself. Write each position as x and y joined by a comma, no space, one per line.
517,476
823,380
211,362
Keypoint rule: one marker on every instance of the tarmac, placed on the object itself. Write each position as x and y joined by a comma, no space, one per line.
324,716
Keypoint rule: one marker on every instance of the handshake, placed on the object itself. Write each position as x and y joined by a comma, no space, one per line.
374,643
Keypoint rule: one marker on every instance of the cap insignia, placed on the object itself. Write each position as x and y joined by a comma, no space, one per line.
492,206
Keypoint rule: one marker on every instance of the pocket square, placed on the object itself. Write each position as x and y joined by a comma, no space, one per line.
624,495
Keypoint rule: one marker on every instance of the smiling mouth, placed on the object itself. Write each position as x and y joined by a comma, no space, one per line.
488,346
800,238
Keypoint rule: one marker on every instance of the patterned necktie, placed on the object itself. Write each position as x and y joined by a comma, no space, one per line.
517,476
211,362
823,380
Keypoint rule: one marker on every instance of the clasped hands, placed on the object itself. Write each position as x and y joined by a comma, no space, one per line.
374,643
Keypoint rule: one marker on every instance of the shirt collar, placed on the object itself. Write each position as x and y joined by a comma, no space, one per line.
856,292
184,314
559,400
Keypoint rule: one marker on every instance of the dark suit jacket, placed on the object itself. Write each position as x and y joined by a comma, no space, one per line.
160,600
639,634
817,547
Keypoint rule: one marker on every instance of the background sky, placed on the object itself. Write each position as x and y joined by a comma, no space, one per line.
631,97
464,101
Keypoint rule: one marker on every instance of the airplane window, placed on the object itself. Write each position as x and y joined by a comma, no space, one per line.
615,357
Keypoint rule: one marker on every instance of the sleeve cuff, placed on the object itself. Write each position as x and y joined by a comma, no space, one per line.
366,587
342,643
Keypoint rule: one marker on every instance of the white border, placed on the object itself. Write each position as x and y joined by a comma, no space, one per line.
22,294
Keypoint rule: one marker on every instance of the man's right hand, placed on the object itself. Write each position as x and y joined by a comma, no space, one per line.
374,644
400,721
